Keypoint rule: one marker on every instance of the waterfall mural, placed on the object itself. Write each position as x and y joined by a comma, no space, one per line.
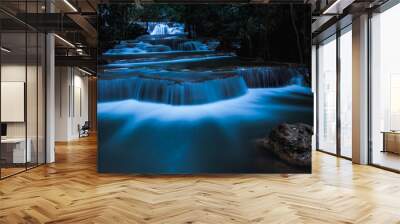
226,90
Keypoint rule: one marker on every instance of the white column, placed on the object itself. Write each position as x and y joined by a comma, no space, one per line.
63,98
314,89
50,100
360,89
50,92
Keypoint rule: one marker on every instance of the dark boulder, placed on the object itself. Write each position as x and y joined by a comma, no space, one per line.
290,142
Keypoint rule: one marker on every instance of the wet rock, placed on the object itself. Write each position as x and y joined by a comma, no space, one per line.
290,142
157,48
192,46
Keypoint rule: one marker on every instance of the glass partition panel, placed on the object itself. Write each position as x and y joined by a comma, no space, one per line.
31,99
22,77
14,153
346,93
327,96
385,89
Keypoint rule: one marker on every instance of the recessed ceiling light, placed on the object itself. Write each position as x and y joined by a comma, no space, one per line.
65,41
337,7
5,50
70,5
84,71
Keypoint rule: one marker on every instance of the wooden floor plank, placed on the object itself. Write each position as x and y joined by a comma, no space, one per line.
71,191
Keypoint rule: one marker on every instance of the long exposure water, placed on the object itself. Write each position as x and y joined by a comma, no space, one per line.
168,104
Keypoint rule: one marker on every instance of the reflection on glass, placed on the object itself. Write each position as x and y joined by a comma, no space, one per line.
31,101
14,153
346,94
327,96
22,90
385,83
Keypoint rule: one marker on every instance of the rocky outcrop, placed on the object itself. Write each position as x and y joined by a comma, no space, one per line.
290,142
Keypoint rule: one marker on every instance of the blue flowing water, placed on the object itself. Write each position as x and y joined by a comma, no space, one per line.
171,91
168,104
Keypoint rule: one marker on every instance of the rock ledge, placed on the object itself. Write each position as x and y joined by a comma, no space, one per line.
290,142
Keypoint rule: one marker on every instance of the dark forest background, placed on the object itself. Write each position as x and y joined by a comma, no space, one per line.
273,33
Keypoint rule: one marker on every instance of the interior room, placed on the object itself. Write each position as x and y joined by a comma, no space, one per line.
385,87
71,102
222,111
22,99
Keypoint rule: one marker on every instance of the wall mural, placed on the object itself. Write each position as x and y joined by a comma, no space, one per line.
206,88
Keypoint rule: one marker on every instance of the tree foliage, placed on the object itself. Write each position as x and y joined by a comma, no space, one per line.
267,32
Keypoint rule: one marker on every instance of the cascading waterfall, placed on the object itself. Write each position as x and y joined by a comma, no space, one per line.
163,37
158,46
171,61
173,43
163,29
185,105
172,91
162,45
136,48
165,62
265,77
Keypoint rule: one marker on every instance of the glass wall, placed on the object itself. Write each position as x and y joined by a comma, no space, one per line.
13,89
334,105
22,92
385,89
327,95
345,92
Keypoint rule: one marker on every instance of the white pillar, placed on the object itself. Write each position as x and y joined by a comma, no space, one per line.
63,98
314,90
50,110
50,92
360,89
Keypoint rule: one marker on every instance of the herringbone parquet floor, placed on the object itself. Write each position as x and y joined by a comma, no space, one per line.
71,191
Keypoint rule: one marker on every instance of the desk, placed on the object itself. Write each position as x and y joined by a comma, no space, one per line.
15,148
391,141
